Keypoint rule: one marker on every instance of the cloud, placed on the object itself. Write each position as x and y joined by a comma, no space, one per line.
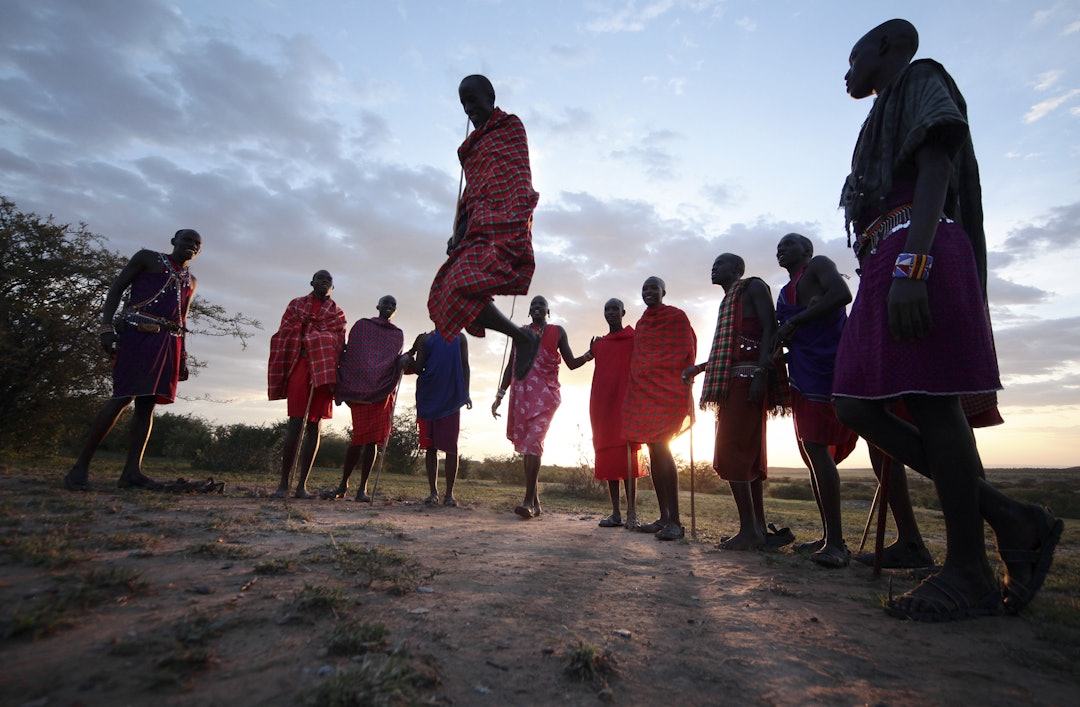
746,24
1047,79
572,55
1003,292
1060,231
1043,108
1044,347
629,17
649,152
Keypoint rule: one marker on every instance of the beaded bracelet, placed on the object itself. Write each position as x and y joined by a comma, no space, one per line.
913,266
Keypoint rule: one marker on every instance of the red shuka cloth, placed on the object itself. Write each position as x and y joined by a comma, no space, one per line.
495,257
658,405
316,326
611,376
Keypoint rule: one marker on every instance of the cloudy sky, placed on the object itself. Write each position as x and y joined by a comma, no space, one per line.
321,134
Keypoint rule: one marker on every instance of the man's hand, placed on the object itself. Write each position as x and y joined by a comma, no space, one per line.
787,330
468,403
688,374
758,386
460,226
909,309
108,342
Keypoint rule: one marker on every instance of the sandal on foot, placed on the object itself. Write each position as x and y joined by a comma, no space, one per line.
778,538
450,501
75,484
1018,594
654,527
632,523
362,497
832,556
612,521
671,531
811,547
526,355
945,604
894,557
432,500
139,482
524,511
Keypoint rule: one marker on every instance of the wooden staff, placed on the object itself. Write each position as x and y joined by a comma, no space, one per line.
693,514
300,441
386,441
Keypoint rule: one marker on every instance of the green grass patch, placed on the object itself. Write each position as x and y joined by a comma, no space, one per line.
47,613
356,638
371,564
588,663
376,679
319,599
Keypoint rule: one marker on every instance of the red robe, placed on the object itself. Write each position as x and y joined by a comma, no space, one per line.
658,405
611,376
495,257
314,325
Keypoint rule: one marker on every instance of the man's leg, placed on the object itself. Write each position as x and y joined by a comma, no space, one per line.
1013,522
750,535
352,456
368,454
525,339
288,455
631,503
431,465
614,519
312,437
141,424
530,506
78,478
666,476
909,550
956,468
451,477
827,482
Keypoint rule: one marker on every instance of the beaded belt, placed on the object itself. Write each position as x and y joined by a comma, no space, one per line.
881,228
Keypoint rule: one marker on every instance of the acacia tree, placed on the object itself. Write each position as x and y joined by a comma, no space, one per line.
53,280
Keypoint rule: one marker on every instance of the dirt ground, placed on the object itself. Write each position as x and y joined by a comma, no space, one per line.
489,610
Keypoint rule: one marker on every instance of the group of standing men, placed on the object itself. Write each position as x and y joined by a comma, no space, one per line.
896,370
312,366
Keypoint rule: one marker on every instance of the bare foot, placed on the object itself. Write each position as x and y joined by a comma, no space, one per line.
304,493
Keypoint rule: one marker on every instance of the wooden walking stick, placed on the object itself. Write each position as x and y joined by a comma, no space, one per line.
300,441
693,513
883,509
386,441
870,517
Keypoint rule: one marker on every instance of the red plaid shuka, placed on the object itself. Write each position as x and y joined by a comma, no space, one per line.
369,369
316,326
496,256
658,405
